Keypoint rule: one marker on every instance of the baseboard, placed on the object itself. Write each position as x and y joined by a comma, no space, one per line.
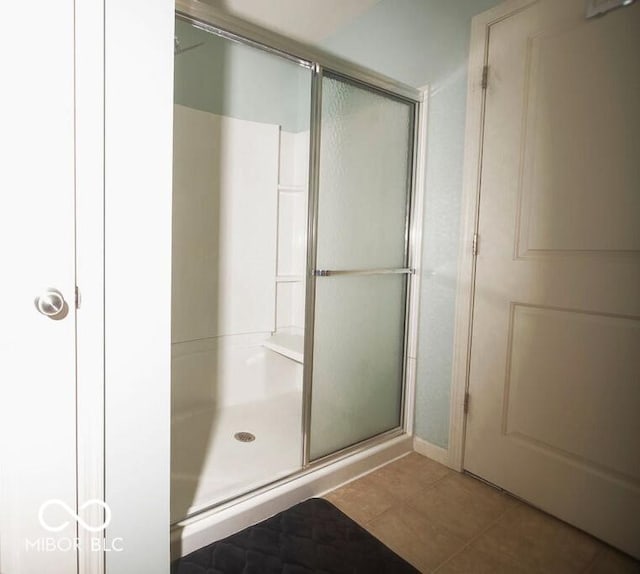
194,533
431,451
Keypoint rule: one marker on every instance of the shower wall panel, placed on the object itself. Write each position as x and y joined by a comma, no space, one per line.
224,225
224,257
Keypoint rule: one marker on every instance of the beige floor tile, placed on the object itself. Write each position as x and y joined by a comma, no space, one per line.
425,469
417,539
411,476
473,561
362,499
535,540
427,513
610,561
462,504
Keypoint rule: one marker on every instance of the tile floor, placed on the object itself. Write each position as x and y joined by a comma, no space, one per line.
442,521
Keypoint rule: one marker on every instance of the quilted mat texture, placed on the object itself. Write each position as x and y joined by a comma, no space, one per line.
313,536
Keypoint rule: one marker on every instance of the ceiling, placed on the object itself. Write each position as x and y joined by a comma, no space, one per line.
308,21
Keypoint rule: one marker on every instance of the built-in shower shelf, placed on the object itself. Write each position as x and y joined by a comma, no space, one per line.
291,188
289,278
289,345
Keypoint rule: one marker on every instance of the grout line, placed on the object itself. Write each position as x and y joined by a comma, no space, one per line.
449,473
473,539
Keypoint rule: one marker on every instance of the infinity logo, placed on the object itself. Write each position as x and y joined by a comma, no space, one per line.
70,512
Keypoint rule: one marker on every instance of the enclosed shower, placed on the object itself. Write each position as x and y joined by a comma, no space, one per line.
291,264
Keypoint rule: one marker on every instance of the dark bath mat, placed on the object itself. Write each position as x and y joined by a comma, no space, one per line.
313,536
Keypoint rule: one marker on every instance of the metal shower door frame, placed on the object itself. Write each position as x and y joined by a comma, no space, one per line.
312,272
321,64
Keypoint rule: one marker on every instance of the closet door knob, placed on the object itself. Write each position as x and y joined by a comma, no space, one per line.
52,304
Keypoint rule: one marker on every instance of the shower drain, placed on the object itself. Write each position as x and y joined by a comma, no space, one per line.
244,436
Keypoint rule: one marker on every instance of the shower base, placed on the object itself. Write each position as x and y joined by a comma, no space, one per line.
209,465
193,533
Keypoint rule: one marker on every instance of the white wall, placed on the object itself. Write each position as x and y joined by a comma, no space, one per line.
138,144
424,42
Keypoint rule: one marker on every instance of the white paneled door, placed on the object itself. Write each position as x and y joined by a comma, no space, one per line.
555,354
37,345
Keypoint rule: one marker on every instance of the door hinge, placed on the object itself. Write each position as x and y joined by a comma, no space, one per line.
466,402
485,77
474,244
77,297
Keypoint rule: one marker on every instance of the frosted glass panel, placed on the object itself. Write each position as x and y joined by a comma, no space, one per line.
365,165
364,177
358,356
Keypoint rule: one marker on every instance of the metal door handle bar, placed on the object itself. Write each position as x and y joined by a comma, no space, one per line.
332,272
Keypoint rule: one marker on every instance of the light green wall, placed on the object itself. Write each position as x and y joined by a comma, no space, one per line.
420,42
227,78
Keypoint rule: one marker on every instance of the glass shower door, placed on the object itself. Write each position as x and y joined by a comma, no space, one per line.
241,149
361,265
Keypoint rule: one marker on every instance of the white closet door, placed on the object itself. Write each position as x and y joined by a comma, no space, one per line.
37,365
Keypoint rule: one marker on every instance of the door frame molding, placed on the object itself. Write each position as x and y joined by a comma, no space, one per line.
89,218
472,174
416,232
